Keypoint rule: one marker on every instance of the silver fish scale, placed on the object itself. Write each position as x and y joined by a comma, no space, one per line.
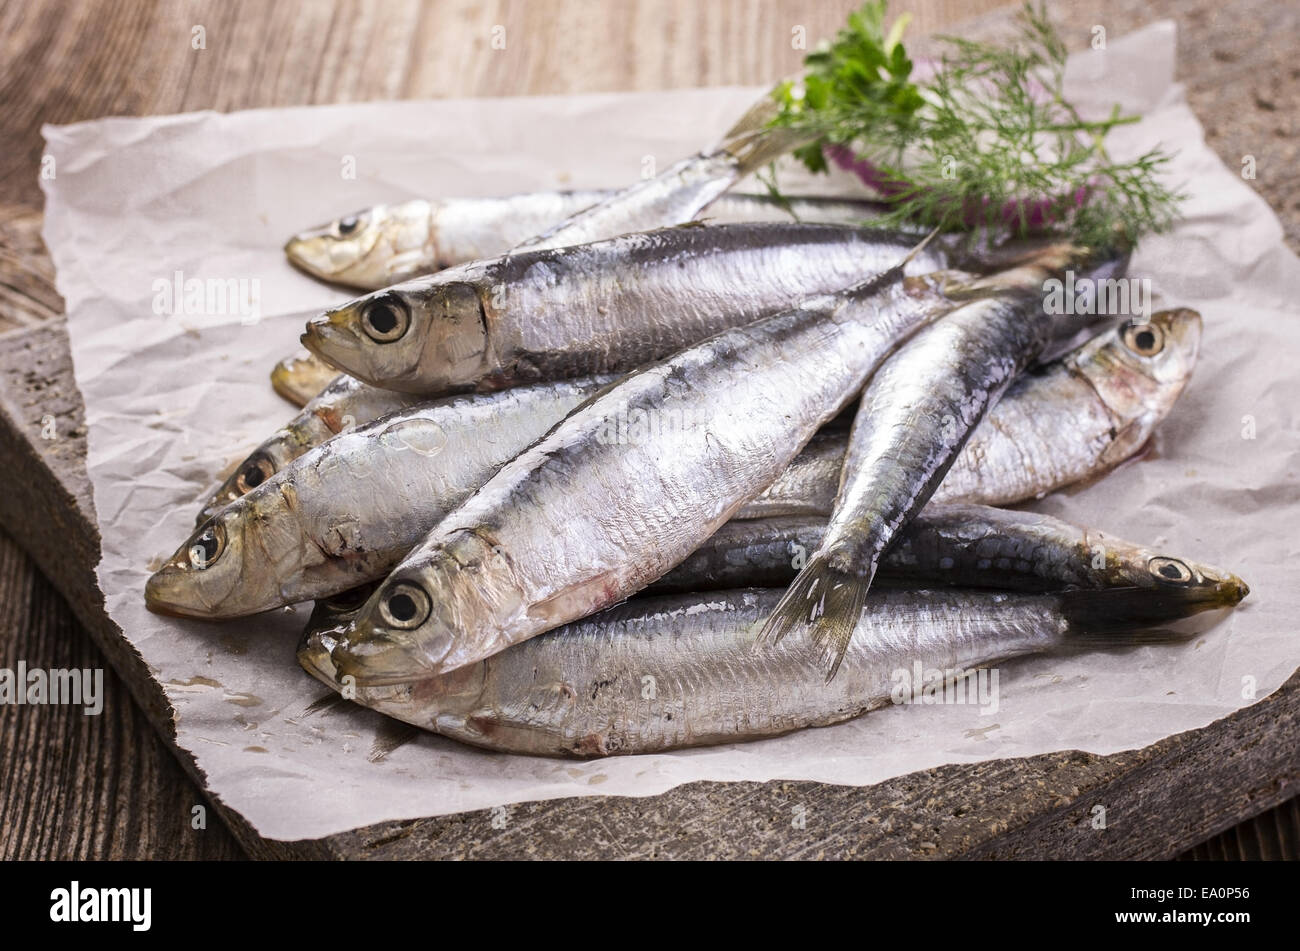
570,313
1019,452
438,454
346,396
676,486
807,486
421,236
583,690
470,229
1069,422
986,545
733,207
345,402
758,552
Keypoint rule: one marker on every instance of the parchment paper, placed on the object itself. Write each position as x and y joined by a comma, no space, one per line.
172,399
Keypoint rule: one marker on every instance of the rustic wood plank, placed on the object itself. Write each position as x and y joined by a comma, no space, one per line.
77,786
80,60
27,295
1270,836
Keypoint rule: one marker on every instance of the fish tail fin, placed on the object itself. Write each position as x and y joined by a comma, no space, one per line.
1123,617
755,119
921,246
752,143
825,602
895,271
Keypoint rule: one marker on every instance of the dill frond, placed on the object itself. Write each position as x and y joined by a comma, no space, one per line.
988,144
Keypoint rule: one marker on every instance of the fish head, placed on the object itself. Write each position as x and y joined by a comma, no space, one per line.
1186,586
286,445
314,653
251,473
457,692
1139,369
1174,589
452,697
367,249
1168,589
451,603
330,617
1201,587
1163,348
427,336
301,377
234,563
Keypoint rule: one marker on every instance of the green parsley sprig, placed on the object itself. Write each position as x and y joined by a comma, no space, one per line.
989,141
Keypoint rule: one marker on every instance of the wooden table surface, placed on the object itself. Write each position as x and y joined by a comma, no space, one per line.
112,786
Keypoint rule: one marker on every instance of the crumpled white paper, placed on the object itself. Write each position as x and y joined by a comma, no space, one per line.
173,398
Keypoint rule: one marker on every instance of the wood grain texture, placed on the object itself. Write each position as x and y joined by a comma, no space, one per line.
78,786
68,61
82,60
1272,836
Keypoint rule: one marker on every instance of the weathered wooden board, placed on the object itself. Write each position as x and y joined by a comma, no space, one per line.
136,58
1270,836
77,786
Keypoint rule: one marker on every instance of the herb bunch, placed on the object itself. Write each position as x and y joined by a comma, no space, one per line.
989,141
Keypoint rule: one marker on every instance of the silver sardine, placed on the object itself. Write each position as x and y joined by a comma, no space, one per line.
677,671
388,244
605,307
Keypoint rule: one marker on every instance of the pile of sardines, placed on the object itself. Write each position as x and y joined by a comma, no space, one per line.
587,473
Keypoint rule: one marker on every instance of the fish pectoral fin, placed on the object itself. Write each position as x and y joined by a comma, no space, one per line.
574,601
1128,441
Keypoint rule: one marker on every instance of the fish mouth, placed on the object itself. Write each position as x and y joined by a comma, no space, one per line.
1184,327
379,660
164,594
226,588
307,252
1210,595
328,337
281,379
1231,592
314,657
285,382
323,253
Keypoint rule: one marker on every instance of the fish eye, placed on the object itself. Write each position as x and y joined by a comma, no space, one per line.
1170,569
254,472
385,319
347,225
207,546
1144,339
404,607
